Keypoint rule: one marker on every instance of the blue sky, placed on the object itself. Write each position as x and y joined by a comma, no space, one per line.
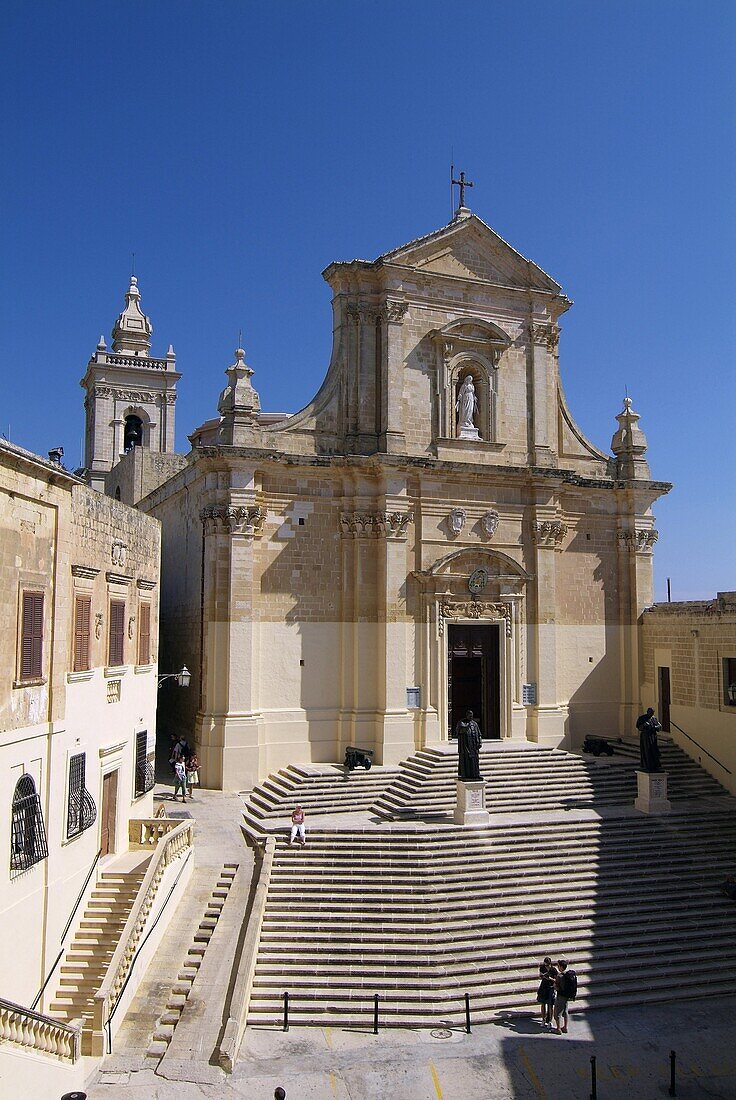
238,148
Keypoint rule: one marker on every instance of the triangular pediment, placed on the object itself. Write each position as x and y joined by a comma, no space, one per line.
467,248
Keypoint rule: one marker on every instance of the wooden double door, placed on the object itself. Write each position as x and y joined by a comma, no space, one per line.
474,676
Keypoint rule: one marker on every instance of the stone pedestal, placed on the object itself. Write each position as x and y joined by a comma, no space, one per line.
471,804
652,796
468,433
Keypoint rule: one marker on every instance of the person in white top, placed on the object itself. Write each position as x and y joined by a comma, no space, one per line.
297,825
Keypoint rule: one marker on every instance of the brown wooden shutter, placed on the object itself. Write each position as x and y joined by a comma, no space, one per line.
144,634
82,615
116,645
31,660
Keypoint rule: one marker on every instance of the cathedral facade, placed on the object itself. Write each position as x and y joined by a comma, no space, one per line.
433,533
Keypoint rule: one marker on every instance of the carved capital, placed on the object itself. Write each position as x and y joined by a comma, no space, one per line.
639,542
233,519
357,525
546,334
549,532
474,609
394,312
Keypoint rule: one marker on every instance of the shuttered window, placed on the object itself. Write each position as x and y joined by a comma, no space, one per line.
82,614
116,641
144,634
31,643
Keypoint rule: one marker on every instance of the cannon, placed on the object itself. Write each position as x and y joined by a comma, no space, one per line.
355,757
597,746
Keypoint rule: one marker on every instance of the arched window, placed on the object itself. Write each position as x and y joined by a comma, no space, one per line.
117,493
27,834
132,432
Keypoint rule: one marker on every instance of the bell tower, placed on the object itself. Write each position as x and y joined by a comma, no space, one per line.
130,397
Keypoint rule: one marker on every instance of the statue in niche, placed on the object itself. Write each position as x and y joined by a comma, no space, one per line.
466,407
469,741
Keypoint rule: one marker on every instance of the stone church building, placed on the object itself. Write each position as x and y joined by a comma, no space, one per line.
432,533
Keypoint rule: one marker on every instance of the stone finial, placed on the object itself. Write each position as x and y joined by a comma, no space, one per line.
101,345
131,334
239,403
629,445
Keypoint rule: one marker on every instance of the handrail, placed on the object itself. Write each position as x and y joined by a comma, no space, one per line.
701,747
42,1033
140,947
240,1002
168,848
67,926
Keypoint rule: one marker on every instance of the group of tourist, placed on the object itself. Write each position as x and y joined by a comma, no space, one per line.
185,766
558,985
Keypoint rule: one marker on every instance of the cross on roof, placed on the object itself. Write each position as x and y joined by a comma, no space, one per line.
462,183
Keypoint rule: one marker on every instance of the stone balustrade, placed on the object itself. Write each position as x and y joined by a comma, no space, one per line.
145,832
39,1033
174,844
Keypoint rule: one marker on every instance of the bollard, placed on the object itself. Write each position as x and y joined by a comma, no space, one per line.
593,1084
673,1087
467,1013
286,1011
375,1014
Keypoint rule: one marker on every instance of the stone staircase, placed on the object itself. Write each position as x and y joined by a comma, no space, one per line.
86,962
524,779
177,998
326,788
423,915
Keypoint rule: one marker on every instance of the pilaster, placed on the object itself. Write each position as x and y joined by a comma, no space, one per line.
392,398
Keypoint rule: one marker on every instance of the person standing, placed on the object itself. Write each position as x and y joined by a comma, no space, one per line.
297,825
546,991
192,767
566,989
180,779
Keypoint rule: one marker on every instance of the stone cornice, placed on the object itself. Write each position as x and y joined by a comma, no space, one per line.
85,571
233,519
357,525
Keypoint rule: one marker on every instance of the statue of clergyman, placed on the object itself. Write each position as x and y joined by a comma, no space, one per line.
469,741
647,725
466,405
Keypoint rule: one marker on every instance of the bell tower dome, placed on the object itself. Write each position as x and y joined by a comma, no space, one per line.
130,395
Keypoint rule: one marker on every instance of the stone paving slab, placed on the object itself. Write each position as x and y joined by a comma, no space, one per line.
511,1059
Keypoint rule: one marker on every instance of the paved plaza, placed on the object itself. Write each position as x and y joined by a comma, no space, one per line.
511,1059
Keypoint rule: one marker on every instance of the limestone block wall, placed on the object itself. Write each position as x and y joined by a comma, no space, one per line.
692,640
60,537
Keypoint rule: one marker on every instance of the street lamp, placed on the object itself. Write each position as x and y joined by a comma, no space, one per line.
182,678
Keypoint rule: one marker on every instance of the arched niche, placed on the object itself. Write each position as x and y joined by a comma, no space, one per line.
136,429
470,346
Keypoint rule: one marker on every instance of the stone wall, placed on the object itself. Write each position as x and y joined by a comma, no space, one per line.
692,640
60,537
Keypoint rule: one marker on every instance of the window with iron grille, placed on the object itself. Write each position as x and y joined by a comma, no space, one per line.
144,634
144,776
116,637
27,832
31,637
81,810
82,615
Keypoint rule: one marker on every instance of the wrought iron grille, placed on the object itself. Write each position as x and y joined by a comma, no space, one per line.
27,834
144,774
81,809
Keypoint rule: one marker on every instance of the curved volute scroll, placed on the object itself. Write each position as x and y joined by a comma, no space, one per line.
468,355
